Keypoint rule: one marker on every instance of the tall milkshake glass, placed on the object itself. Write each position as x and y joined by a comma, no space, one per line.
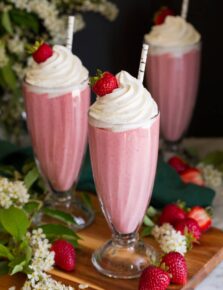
172,76
57,103
123,139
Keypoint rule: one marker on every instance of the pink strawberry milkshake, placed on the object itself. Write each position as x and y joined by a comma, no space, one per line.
123,139
172,73
57,99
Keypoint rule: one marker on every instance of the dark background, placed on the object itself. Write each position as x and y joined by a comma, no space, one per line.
116,46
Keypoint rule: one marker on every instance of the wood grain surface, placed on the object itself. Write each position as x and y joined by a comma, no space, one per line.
201,260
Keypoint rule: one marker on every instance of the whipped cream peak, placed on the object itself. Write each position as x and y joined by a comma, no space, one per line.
60,70
175,31
129,106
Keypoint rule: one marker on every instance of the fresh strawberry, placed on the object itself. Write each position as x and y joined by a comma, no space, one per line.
161,14
189,226
40,51
103,83
178,164
176,267
154,278
192,175
171,213
65,256
202,216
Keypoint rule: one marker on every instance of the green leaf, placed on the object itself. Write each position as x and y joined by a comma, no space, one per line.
25,20
86,198
151,211
73,242
7,170
32,206
4,268
5,252
15,222
55,231
9,77
214,158
146,232
18,268
31,177
60,215
147,221
6,22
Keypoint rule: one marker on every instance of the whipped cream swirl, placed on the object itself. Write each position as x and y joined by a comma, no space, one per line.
175,31
128,107
60,70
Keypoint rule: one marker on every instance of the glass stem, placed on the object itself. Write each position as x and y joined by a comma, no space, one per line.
61,197
173,146
125,240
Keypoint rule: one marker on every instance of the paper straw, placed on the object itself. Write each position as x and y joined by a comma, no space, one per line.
142,64
184,8
70,32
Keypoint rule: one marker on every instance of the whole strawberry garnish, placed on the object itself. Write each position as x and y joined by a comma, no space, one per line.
178,164
189,227
40,51
65,256
176,266
171,214
103,83
154,278
192,175
161,14
202,216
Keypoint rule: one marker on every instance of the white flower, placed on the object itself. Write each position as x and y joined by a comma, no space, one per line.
106,8
169,239
12,193
16,45
212,177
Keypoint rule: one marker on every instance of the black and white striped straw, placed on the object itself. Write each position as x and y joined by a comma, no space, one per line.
184,8
70,32
142,65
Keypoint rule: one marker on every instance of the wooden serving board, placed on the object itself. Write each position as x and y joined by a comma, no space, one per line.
201,260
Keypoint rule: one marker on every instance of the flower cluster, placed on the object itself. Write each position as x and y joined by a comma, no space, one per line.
169,239
21,22
42,261
212,176
12,193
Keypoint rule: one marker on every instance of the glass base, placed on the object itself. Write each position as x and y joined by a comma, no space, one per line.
83,216
170,148
123,259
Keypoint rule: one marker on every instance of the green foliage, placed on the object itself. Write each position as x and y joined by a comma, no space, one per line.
25,20
59,215
214,158
54,231
86,198
31,177
6,22
15,222
8,77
